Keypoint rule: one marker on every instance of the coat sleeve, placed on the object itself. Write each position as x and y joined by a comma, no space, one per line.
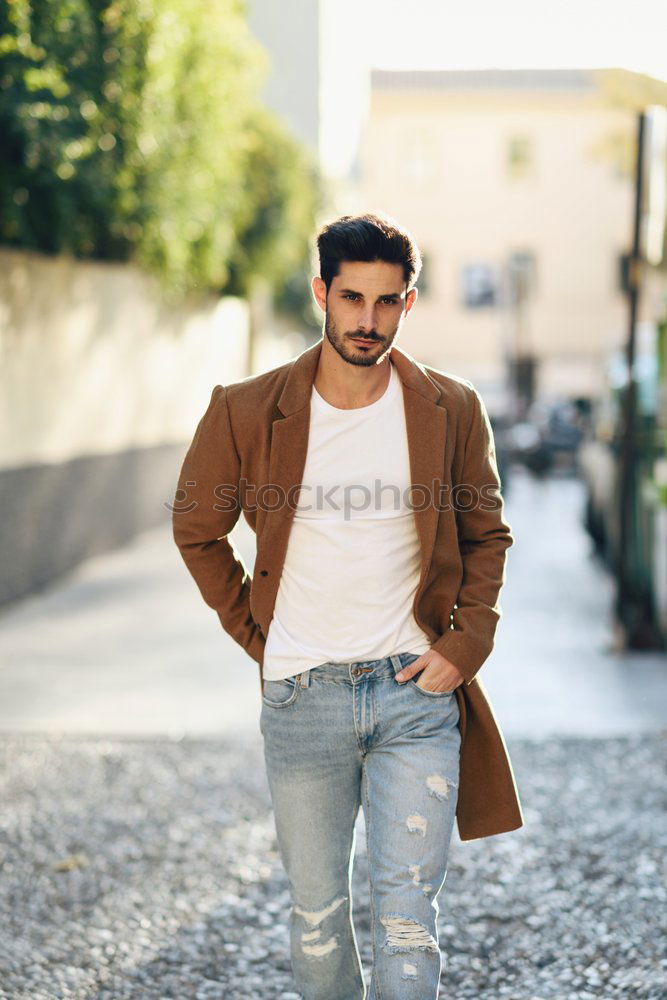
206,508
484,537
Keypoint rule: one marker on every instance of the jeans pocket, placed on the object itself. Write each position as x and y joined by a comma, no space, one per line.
281,693
429,694
406,660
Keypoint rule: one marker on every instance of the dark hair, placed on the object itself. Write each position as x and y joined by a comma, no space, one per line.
367,237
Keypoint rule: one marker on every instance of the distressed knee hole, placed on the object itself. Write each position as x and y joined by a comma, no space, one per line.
417,824
311,943
317,916
406,934
409,971
416,873
439,786
319,950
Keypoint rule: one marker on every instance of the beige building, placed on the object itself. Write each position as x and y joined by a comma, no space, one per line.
518,187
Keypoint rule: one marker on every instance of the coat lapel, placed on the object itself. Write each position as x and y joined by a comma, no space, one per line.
426,426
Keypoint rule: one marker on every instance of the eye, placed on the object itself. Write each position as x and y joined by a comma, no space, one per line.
351,295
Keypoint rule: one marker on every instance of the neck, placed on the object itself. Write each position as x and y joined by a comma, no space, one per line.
349,386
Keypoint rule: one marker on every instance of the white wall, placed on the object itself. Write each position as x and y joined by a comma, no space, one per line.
92,362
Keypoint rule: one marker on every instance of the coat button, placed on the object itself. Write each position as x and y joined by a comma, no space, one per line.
263,572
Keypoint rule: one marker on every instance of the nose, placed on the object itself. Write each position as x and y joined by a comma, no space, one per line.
367,318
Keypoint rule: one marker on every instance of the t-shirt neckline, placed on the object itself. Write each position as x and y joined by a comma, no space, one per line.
388,394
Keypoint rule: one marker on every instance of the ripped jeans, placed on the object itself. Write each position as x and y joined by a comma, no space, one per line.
337,737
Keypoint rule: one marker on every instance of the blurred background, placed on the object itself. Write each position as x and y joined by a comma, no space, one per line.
163,169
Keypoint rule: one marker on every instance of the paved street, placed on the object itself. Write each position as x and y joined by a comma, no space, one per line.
554,669
127,646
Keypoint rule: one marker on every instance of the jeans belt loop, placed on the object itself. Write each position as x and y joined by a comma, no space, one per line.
395,662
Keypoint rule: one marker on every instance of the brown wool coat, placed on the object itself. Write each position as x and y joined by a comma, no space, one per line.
255,431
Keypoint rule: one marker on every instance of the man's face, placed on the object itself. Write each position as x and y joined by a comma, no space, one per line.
364,309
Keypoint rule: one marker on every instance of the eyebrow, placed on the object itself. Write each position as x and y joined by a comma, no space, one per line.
385,295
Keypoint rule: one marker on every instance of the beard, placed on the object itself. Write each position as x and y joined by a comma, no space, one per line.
354,355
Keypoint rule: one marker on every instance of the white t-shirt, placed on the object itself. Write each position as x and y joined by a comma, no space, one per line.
352,564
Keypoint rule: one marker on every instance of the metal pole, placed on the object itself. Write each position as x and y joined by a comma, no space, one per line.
628,602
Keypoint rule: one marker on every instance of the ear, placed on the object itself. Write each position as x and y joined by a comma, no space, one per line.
319,290
410,299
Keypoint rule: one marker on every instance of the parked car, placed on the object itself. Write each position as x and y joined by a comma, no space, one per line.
550,435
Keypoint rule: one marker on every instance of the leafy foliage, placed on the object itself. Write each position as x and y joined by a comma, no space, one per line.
132,130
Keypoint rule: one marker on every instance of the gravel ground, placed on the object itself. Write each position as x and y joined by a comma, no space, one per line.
149,869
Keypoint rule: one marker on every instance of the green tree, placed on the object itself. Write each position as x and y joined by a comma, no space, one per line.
133,131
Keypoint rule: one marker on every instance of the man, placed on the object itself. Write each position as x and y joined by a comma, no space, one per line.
371,482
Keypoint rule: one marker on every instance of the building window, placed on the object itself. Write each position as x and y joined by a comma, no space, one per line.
479,286
519,156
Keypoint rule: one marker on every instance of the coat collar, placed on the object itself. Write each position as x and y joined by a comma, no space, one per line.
298,386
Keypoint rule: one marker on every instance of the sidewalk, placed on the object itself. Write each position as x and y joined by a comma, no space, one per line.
553,669
125,645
